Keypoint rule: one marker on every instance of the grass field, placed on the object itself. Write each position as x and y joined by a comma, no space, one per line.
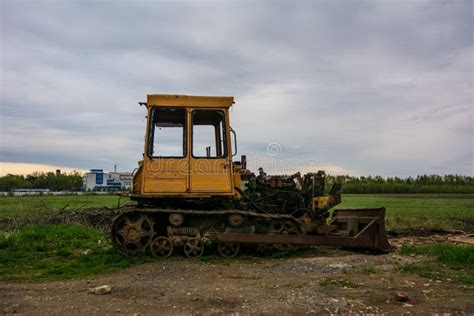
448,261
448,211
51,252
24,206
55,252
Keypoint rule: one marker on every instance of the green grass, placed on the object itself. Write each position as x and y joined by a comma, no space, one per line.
56,252
448,211
342,282
27,206
368,270
420,210
448,261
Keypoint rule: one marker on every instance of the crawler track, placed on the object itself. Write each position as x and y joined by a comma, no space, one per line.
161,232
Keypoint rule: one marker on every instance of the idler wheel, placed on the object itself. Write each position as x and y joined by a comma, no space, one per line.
161,247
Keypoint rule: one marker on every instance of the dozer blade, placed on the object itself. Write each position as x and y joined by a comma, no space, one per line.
356,228
365,226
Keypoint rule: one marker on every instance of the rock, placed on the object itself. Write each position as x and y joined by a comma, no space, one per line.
355,303
401,297
101,290
11,309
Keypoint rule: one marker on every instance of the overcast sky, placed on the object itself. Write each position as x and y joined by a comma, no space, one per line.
376,87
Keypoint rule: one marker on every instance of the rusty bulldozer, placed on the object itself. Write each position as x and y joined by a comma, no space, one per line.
190,192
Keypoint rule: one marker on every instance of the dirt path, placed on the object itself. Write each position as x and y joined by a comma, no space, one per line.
320,280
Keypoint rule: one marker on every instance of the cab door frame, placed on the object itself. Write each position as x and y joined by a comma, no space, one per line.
211,175
165,174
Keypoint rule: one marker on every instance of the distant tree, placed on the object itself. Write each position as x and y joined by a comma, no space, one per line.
419,184
39,180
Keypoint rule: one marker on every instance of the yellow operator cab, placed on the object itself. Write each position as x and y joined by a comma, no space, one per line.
188,149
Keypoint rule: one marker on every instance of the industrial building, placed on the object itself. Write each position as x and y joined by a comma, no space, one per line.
98,180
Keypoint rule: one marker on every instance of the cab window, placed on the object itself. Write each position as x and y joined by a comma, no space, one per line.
208,134
167,135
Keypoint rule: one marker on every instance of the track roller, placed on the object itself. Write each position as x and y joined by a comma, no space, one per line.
161,247
193,248
228,249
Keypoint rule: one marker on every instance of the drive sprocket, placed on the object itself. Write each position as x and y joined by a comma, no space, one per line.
132,232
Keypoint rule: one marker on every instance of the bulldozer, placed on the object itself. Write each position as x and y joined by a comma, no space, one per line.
191,193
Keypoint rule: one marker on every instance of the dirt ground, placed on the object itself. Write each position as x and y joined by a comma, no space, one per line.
315,281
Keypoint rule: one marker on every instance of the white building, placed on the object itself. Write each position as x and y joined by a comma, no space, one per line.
98,180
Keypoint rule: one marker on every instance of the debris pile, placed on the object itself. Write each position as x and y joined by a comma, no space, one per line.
99,218
424,232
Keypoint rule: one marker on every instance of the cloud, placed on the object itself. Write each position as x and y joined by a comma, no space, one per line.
27,168
369,87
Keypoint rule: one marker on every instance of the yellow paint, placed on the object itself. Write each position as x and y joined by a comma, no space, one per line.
189,101
167,175
210,175
237,183
326,202
187,176
321,202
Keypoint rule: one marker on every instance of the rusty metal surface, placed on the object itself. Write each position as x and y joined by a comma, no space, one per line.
370,235
219,212
362,240
132,232
360,212
358,228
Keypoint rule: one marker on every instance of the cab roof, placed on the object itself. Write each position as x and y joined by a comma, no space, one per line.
189,101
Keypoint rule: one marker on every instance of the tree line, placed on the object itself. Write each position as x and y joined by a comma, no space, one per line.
350,184
39,180
419,184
